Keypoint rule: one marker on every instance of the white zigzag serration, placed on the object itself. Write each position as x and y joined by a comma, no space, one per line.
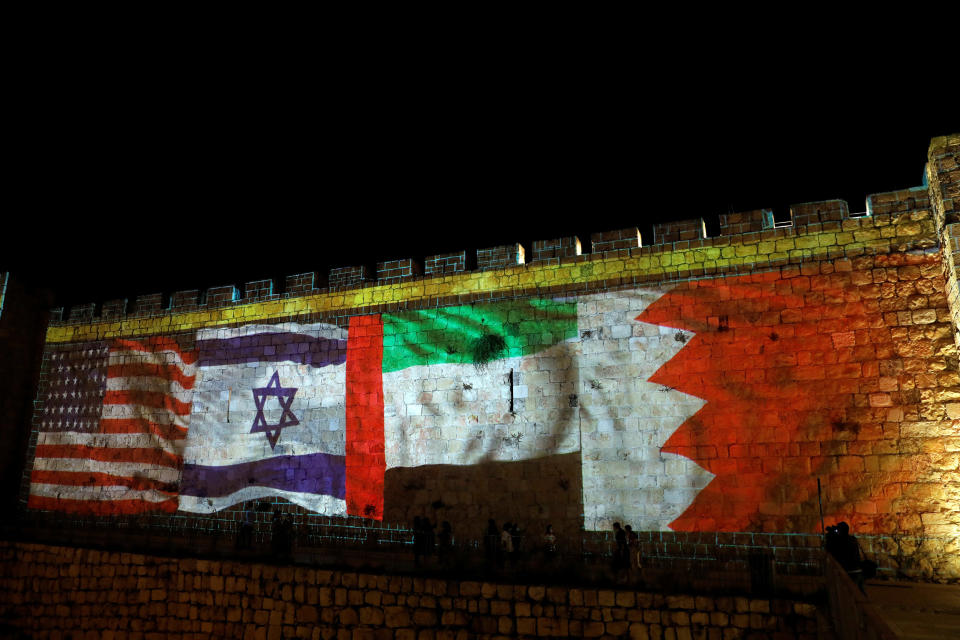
625,420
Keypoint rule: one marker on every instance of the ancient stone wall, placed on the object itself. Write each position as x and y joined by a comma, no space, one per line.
59,592
943,175
696,384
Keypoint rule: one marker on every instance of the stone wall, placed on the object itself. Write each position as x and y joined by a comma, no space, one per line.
696,384
58,592
943,175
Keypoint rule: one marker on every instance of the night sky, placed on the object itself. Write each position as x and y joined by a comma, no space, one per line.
129,200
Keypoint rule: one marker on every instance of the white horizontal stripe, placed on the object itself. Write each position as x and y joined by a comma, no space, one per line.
470,422
128,411
112,440
123,356
119,469
317,330
162,385
97,493
217,437
326,505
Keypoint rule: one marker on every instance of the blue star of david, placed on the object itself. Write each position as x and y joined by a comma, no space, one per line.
284,396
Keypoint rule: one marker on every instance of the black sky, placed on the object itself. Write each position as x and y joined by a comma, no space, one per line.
163,186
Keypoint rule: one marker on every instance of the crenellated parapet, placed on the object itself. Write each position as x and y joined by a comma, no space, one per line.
629,238
900,201
679,250
745,222
824,211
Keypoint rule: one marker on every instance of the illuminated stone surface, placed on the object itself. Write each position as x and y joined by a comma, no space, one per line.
695,384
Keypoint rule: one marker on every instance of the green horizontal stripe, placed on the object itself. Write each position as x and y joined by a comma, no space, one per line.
449,334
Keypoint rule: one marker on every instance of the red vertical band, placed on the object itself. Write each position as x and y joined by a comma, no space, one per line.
366,463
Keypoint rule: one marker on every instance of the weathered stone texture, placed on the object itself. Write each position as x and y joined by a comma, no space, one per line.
53,592
943,176
709,382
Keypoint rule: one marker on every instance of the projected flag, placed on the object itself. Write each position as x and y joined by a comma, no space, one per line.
268,418
112,428
369,420
458,378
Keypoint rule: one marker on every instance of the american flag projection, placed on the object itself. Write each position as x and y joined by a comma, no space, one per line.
112,428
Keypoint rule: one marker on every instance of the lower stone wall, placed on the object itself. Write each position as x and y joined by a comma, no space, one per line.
63,592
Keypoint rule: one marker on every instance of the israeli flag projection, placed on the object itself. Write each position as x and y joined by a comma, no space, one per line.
268,418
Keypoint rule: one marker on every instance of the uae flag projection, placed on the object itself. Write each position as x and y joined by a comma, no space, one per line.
455,383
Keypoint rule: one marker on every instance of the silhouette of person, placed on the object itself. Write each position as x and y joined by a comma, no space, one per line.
276,534
284,528
620,553
491,541
549,543
506,541
633,547
516,538
245,535
418,541
845,548
444,543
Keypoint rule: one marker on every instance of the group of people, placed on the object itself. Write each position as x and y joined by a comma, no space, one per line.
626,554
427,541
281,533
502,545
507,544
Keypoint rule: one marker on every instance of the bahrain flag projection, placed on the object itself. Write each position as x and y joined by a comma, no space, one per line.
799,379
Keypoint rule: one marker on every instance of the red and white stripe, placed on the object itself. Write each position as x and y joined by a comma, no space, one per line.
132,464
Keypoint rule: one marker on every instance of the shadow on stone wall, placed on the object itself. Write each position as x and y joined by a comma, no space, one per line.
533,493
